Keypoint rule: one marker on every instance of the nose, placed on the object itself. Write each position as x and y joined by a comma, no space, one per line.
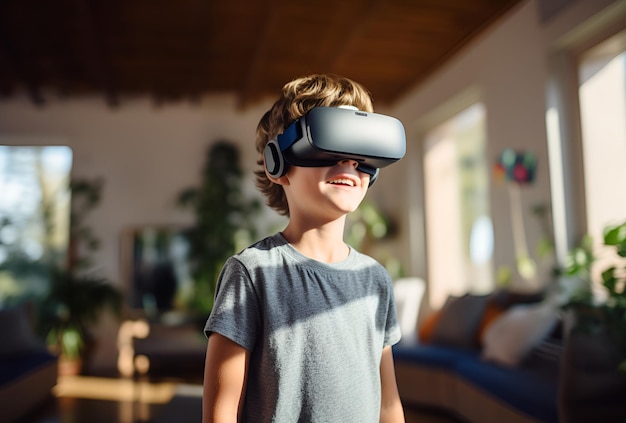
349,162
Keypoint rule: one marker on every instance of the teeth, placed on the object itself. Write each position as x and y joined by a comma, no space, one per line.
343,182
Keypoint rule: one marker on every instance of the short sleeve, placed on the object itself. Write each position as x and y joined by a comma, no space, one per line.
236,311
392,327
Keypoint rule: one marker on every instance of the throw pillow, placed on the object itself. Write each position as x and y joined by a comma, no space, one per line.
458,324
506,298
514,334
491,314
16,333
426,329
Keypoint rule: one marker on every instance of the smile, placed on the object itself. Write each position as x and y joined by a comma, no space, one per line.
342,181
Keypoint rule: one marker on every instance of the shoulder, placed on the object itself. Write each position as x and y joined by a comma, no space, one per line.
261,251
364,258
269,252
364,261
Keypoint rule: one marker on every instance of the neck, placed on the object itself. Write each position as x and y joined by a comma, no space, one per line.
320,242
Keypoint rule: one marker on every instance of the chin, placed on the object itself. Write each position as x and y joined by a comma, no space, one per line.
349,208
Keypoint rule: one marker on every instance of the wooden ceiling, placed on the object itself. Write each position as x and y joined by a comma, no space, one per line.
185,49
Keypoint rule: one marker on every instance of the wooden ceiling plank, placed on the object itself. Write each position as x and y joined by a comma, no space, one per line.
23,69
193,47
251,84
206,76
94,49
490,16
364,18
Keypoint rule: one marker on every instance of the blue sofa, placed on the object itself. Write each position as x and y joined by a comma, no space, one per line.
478,382
28,372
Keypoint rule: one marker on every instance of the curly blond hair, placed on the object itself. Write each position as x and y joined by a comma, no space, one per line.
296,99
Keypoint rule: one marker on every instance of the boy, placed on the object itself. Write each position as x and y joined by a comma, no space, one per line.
302,326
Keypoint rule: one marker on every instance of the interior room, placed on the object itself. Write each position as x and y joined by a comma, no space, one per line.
503,227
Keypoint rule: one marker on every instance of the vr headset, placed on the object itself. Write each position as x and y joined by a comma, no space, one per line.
327,135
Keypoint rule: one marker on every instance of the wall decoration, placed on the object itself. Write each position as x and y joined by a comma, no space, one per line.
516,169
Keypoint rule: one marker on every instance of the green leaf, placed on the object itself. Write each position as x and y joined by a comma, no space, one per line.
615,235
71,343
504,276
609,280
579,261
545,247
188,197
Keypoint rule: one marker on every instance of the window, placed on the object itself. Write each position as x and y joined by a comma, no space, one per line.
602,95
34,216
459,234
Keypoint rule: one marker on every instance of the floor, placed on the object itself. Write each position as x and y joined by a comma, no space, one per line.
78,399
87,399
423,416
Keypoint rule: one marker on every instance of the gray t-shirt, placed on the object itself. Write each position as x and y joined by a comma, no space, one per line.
315,332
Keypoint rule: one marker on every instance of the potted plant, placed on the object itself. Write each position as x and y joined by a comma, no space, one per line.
593,370
72,304
601,310
222,216
75,298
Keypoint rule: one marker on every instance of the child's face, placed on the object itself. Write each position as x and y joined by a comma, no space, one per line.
325,192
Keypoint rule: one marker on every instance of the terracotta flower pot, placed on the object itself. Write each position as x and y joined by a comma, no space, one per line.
70,366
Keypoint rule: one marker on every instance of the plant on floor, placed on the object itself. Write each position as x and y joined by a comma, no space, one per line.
603,311
222,216
75,298
72,304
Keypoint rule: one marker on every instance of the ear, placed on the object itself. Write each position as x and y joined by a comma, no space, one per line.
280,180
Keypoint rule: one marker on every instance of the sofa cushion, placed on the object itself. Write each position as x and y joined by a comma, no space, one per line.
432,355
426,329
529,392
492,312
506,298
513,335
15,367
458,323
16,333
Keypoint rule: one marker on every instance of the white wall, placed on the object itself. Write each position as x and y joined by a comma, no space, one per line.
146,154
507,67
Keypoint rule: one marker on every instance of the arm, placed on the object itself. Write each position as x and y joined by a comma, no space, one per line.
225,373
390,408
